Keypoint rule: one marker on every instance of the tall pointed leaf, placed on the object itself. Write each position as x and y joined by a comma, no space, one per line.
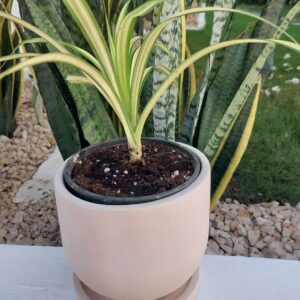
164,113
271,12
245,89
94,119
192,115
73,28
222,91
224,169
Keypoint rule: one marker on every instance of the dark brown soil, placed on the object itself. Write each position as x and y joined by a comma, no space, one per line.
110,172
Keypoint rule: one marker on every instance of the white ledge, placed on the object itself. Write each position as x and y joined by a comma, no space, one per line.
35,273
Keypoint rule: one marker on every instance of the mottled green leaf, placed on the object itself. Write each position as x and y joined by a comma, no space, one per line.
94,119
222,91
192,115
245,89
165,111
272,13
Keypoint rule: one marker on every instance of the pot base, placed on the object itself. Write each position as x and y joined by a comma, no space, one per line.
186,292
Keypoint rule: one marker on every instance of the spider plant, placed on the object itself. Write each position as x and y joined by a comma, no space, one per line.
118,66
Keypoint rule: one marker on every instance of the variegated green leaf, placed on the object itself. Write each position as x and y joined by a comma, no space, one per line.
10,87
164,113
222,91
73,28
227,163
94,119
245,89
271,12
192,115
37,102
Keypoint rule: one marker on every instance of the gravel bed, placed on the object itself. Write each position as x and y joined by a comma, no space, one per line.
19,159
263,230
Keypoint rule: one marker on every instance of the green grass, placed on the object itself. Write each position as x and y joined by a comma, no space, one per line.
270,168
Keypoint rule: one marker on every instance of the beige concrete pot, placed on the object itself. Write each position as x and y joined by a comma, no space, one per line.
140,251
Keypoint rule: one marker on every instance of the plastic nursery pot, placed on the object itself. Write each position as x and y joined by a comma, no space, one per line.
101,199
141,251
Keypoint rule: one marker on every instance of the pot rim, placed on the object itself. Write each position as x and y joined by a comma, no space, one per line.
91,197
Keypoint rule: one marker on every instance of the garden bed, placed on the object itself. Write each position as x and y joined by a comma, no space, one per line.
264,229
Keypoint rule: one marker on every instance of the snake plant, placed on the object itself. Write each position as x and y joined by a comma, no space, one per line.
11,86
117,63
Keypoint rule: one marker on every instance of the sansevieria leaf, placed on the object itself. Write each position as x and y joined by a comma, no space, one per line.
245,90
94,119
192,115
222,91
220,163
238,154
164,112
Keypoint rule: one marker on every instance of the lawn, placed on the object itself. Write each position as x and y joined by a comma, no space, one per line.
270,168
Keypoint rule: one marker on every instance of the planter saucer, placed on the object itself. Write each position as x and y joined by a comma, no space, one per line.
187,292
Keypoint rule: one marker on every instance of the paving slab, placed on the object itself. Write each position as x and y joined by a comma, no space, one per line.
35,273
41,184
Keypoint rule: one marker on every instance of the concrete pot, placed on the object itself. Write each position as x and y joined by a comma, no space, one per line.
140,251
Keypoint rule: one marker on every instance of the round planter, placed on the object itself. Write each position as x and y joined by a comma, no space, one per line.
140,251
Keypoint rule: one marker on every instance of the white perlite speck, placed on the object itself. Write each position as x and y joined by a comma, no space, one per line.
106,170
175,173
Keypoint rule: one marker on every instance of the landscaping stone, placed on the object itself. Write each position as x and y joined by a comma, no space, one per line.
253,236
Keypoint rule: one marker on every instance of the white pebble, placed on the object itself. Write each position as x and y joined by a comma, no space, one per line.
125,172
287,56
267,93
286,65
135,183
276,89
106,170
274,68
298,68
271,76
293,81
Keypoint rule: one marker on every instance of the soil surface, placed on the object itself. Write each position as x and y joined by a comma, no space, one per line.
110,172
